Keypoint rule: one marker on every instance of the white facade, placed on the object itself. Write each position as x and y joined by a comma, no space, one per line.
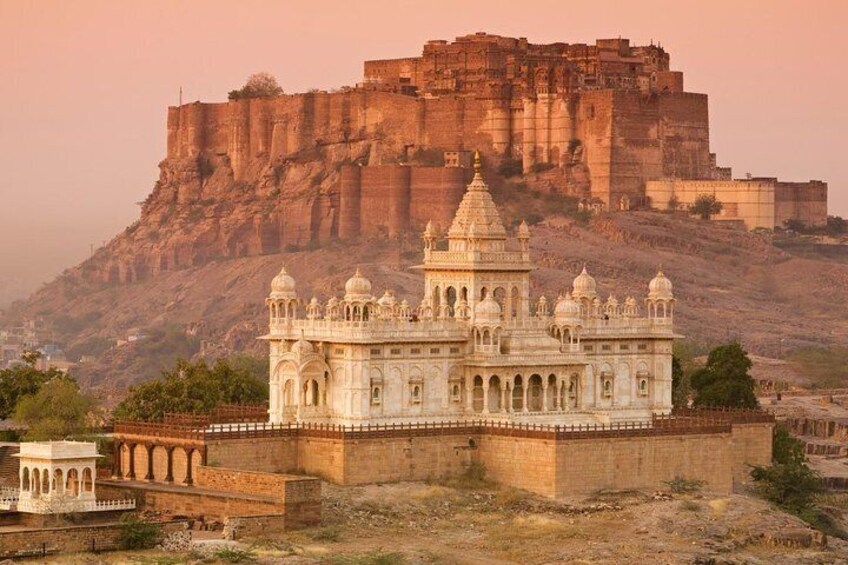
58,477
476,346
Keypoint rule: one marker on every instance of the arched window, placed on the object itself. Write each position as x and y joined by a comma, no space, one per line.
416,394
477,394
518,393
25,479
87,480
375,395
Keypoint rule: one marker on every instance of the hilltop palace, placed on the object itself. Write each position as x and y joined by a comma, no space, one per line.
475,347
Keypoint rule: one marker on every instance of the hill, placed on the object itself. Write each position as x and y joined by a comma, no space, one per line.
729,284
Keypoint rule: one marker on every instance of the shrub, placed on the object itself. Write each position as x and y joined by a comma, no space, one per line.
232,555
792,486
137,533
680,485
542,167
510,168
706,206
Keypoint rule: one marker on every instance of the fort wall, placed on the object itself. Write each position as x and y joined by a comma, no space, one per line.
759,202
627,136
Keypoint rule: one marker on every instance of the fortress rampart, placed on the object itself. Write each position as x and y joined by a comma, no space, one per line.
623,137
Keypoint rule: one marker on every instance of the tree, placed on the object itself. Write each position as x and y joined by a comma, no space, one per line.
22,380
196,388
725,381
58,410
706,206
680,387
258,85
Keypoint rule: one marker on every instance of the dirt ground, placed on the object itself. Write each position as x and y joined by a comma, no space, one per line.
416,523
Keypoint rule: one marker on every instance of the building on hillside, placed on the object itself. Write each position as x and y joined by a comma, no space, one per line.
475,346
759,202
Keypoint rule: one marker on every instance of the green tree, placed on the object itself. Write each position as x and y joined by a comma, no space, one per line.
58,410
680,387
196,388
705,206
786,449
22,380
725,381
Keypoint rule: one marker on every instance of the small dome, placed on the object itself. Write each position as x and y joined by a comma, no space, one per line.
487,310
566,309
387,300
283,285
358,287
660,288
332,302
612,301
313,301
584,285
302,347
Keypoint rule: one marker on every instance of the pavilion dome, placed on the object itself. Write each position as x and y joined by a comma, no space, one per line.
358,287
302,347
584,285
283,285
487,311
660,287
388,299
567,310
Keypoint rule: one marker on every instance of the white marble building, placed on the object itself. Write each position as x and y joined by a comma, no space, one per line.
475,347
58,477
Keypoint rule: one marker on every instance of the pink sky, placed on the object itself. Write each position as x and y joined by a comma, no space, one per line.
85,86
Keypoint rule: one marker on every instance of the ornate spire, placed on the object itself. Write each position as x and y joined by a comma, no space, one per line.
478,166
477,207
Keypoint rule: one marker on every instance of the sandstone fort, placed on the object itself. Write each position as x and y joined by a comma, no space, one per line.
610,124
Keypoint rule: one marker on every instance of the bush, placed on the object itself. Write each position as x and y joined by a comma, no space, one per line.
137,533
792,486
510,168
232,555
706,206
542,167
679,485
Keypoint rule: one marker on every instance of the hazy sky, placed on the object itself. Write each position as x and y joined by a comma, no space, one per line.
84,87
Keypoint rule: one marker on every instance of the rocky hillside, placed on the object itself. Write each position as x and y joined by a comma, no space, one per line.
729,284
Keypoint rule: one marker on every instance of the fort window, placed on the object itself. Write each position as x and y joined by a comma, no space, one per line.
376,352
435,350
642,347
624,347
415,351
396,351
590,112
454,350
588,348
338,351
606,347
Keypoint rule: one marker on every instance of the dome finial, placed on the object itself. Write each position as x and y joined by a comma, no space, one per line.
478,166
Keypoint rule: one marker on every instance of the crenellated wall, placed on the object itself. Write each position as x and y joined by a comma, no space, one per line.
627,137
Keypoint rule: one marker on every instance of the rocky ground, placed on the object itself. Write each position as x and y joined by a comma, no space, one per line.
415,523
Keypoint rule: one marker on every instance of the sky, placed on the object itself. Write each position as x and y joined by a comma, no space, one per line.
85,86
